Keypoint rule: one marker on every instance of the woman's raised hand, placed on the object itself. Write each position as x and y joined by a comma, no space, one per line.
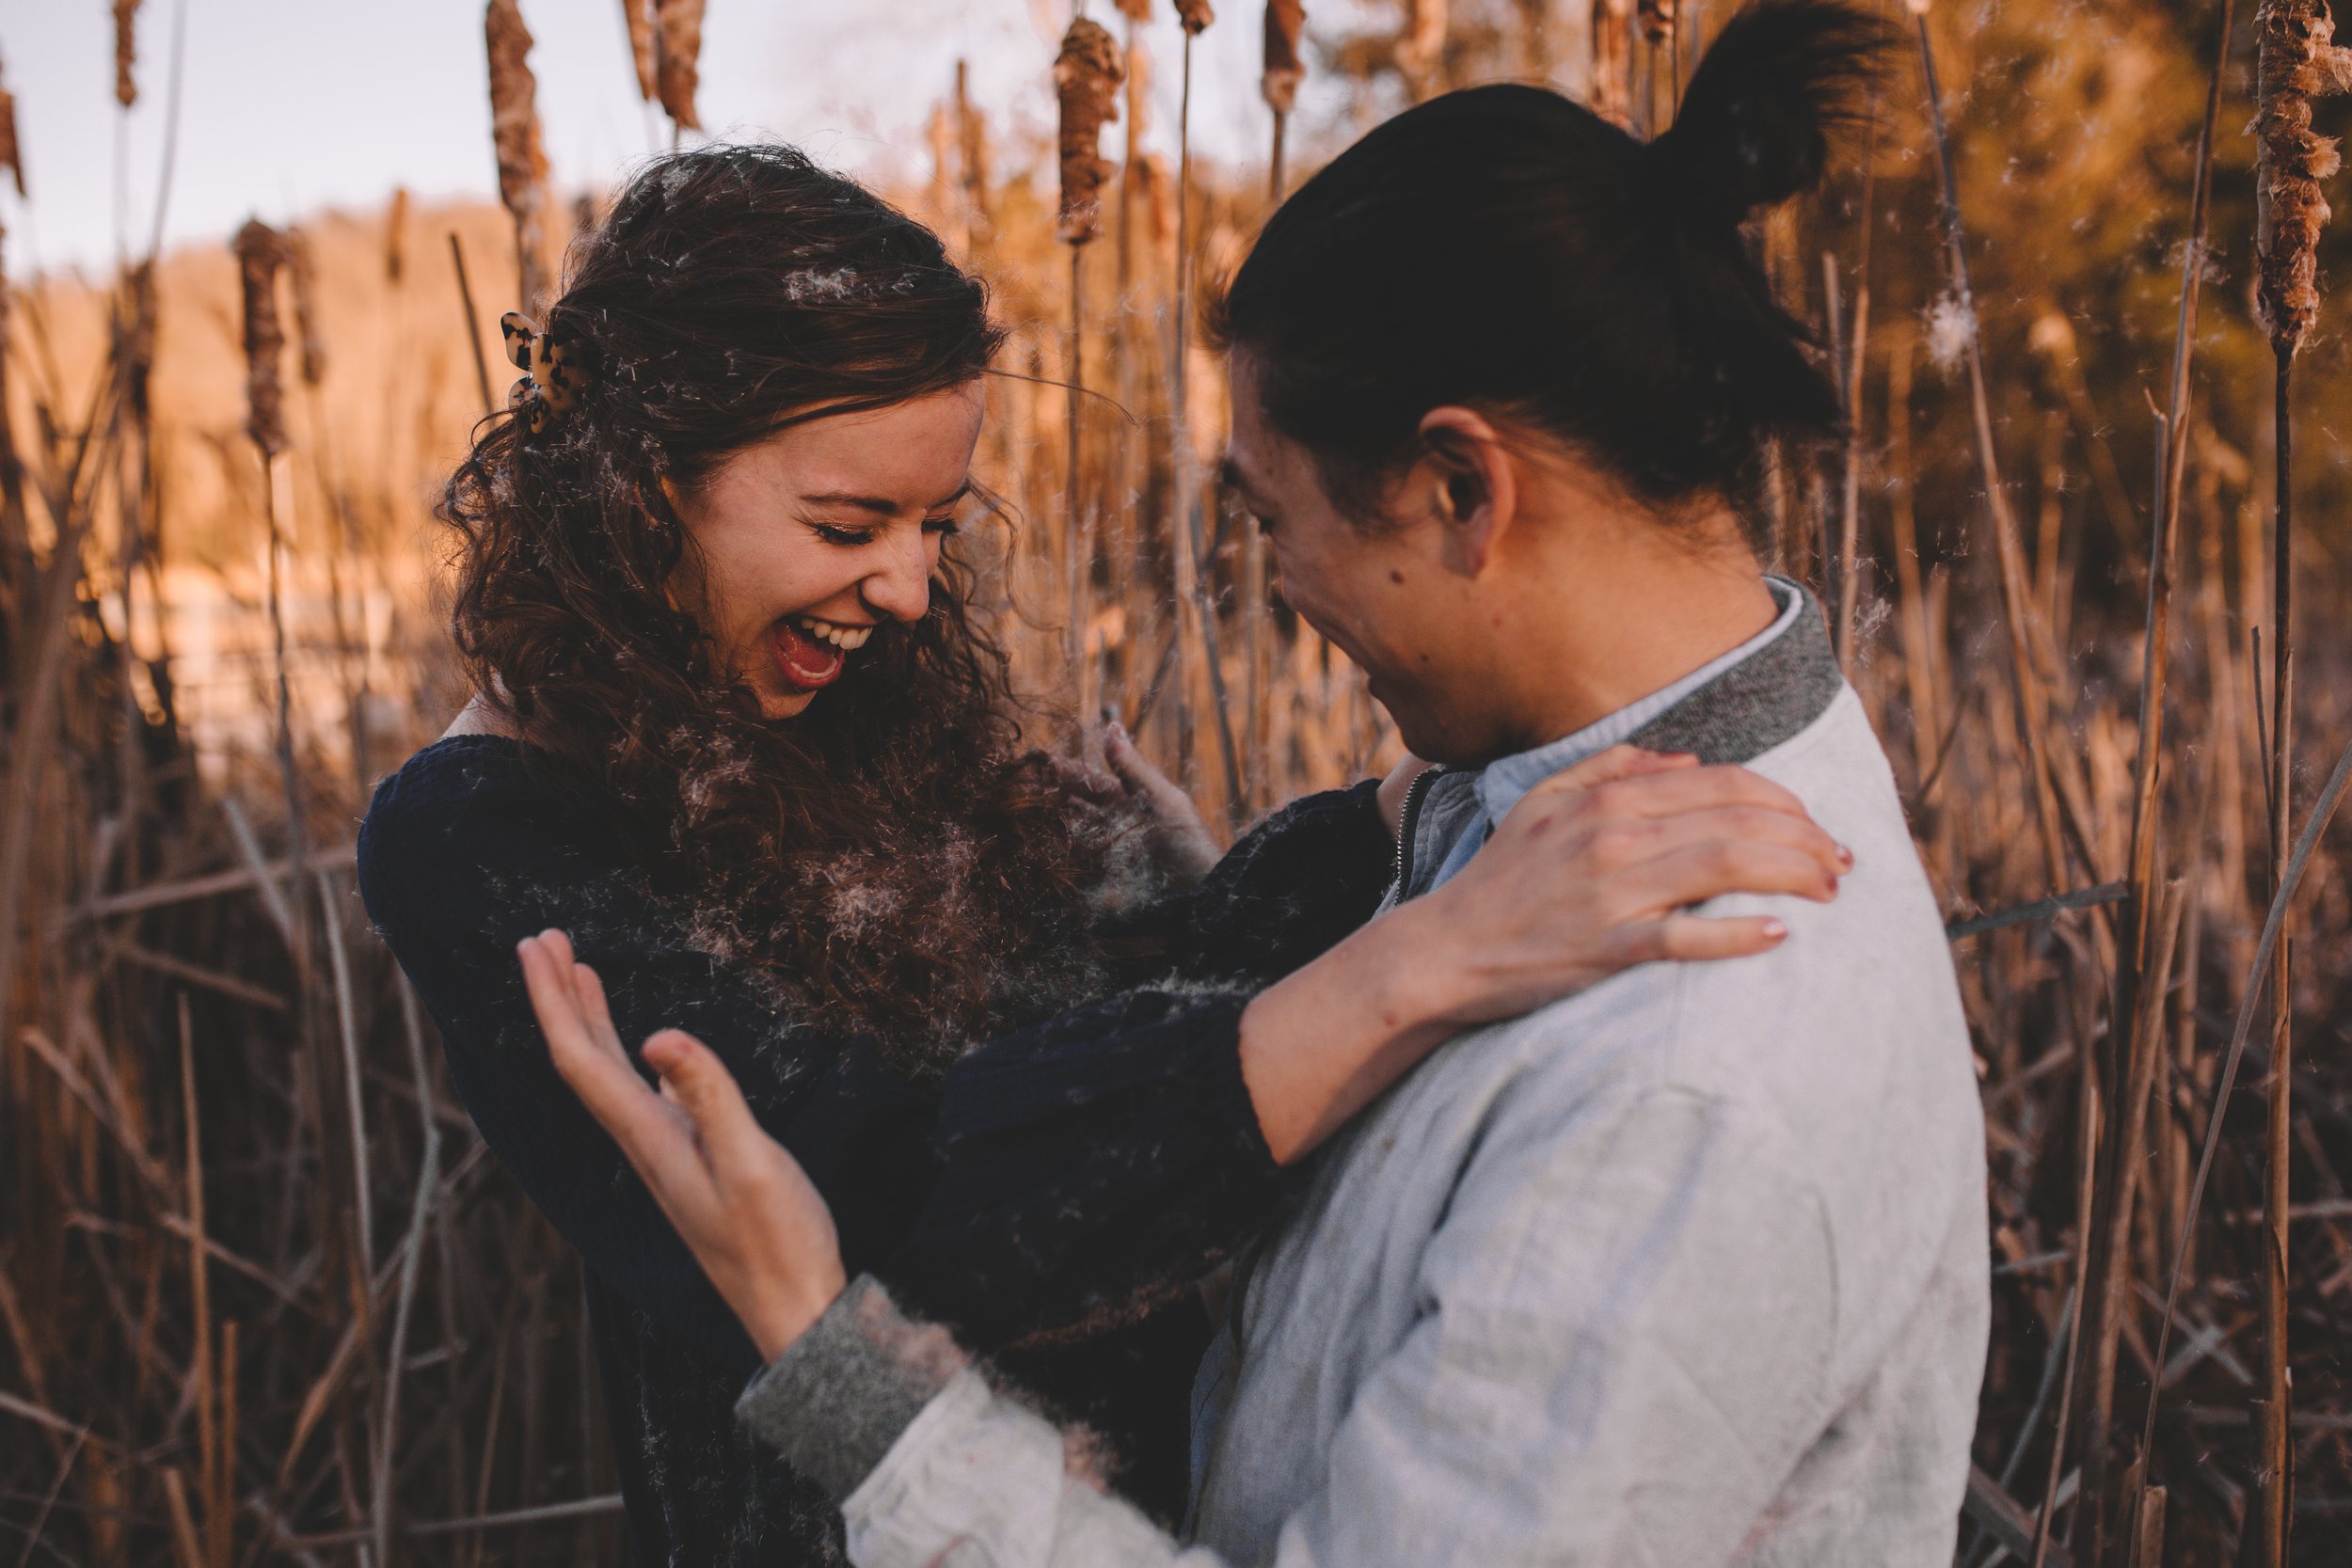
742,1203
1182,845
1595,868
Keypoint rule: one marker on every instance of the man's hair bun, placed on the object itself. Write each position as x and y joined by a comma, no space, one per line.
1782,78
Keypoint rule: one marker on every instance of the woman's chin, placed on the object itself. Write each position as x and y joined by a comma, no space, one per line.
785,704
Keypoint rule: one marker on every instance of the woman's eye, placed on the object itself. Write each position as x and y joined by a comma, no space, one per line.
945,526
848,536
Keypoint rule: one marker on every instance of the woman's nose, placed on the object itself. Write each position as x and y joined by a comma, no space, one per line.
901,585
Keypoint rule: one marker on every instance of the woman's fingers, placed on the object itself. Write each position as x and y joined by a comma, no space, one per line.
1084,777
1652,790
703,1087
1623,761
1695,939
547,979
588,987
1625,843
1693,872
1136,771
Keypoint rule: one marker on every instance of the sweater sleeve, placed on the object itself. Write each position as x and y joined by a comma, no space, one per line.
1102,1161
460,857
1289,890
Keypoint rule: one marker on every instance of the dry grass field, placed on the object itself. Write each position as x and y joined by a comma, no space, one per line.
264,1297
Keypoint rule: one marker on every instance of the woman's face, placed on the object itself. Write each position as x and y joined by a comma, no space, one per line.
798,546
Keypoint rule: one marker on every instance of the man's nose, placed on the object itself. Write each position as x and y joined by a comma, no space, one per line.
900,584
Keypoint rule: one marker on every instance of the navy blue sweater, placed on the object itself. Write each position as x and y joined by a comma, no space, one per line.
1049,1199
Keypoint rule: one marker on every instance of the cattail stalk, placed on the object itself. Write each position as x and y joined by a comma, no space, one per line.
261,253
522,157
1132,175
1087,76
973,126
2145,970
679,46
1196,615
1612,92
474,331
2296,60
2295,863
2032,702
1278,83
1421,47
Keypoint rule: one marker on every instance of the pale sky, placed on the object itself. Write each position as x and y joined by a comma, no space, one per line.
291,105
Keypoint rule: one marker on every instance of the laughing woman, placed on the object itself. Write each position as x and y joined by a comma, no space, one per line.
735,731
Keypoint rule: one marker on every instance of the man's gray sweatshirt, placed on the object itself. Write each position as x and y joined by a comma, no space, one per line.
1687,1269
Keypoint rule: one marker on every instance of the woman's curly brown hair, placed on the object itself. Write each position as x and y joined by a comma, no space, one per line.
891,856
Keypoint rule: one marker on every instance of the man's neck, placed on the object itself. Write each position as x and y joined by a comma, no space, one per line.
1608,639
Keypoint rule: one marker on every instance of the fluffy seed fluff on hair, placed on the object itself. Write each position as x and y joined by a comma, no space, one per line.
1755,122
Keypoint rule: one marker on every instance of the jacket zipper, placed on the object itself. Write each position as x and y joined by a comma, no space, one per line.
1407,818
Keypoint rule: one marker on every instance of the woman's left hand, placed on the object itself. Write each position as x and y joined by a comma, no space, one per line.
743,1204
1182,843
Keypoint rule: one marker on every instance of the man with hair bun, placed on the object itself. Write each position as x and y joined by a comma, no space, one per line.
1687,1268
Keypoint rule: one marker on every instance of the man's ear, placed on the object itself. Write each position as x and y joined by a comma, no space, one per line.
1471,484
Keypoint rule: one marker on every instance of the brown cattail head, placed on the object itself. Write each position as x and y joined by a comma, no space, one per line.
515,129
126,51
261,251
2296,59
11,156
302,271
1194,16
1087,74
1422,44
1658,20
396,236
638,15
678,25
1285,67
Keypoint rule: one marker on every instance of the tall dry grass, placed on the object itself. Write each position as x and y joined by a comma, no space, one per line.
265,1296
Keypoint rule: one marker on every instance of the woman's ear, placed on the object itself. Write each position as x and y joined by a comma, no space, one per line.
1473,487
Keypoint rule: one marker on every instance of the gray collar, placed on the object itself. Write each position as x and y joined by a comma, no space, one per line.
1759,703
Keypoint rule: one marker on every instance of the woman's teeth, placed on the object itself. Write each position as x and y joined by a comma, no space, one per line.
844,638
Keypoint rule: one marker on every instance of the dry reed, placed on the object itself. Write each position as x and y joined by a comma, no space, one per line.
1284,69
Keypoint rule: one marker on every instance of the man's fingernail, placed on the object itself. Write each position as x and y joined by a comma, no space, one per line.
1775,930
1845,857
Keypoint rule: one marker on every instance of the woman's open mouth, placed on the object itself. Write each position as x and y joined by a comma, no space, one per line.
811,652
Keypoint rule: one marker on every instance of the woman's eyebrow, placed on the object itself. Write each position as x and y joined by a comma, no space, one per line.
880,505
